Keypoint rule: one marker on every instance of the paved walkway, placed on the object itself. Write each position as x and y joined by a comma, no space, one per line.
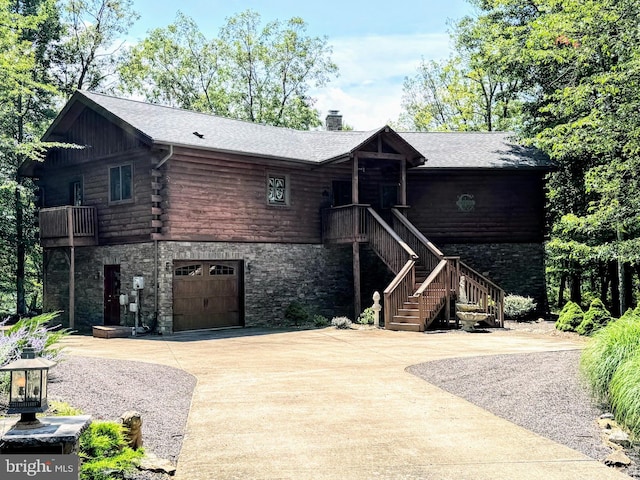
336,404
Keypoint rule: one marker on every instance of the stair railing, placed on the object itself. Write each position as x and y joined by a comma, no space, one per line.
428,253
430,305
481,290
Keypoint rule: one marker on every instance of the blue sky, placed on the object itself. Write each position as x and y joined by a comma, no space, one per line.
375,44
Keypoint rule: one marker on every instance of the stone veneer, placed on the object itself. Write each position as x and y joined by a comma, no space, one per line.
275,275
519,268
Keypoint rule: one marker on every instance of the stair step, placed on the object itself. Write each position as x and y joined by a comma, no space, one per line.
406,327
406,318
408,312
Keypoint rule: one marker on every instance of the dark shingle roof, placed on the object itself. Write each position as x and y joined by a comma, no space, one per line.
173,126
475,150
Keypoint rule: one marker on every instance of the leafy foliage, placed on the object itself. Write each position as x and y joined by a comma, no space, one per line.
260,73
367,317
570,317
104,453
595,318
296,313
518,307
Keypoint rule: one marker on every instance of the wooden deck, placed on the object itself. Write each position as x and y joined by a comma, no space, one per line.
68,226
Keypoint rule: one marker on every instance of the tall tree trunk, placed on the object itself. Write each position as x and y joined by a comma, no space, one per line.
627,294
615,289
604,283
561,289
21,304
576,290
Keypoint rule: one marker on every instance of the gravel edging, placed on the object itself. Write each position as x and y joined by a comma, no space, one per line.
541,392
105,389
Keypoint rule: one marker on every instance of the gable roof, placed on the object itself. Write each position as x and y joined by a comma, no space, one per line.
476,150
158,124
162,125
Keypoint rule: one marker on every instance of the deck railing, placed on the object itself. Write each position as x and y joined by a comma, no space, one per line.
479,289
434,292
344,224
68,222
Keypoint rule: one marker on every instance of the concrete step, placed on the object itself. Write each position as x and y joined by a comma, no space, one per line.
406,319
406,327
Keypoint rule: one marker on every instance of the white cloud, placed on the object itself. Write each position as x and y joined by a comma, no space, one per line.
368,91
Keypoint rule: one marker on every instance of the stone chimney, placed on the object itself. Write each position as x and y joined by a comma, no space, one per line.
334,121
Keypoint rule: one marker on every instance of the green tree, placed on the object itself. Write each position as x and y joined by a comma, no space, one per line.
27,31
577,67
250,72
452,95
88,54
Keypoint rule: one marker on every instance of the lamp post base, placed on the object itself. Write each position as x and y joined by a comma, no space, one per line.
27,422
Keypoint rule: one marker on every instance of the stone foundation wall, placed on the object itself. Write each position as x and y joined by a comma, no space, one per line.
519,268
134,260
275,275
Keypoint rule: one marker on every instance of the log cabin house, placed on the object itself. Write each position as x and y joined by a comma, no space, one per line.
229,222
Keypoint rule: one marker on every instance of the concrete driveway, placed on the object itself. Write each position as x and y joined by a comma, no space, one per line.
338,404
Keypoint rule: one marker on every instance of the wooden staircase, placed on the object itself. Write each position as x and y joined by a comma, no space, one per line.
426,282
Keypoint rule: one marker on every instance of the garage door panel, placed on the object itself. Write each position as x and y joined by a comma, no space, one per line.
206,294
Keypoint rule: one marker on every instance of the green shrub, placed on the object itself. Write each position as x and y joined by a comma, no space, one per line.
296,313
341,322
594,319
104,452
609,347
570,317
624,394
367,317
62,409
320,321
518,307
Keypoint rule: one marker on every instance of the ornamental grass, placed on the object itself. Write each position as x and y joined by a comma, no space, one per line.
608,349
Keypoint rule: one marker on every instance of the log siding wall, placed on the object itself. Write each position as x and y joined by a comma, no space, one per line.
509,206
213,198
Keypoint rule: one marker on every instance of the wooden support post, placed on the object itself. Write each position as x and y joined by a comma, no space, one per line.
355,198
403,183
72,269
357,307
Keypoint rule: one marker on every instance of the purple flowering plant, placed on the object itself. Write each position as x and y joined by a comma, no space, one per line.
41,333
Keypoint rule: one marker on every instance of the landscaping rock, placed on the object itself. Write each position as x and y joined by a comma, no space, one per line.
152,463
620,438
617,459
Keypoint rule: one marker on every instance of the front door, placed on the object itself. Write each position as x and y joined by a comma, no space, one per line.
207,294
112,294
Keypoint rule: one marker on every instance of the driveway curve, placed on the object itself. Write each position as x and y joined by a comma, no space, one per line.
338,404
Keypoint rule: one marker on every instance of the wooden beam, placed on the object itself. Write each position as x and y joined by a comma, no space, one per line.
381,156
354,181
403,184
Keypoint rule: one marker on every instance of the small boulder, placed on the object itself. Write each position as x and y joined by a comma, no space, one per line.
619,437
152,463
617,459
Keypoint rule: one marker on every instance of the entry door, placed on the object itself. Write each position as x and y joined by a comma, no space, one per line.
207,294
112,295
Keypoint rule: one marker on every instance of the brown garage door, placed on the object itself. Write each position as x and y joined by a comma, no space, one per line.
207,294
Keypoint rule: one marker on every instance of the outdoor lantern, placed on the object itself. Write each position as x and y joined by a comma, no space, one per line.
28,387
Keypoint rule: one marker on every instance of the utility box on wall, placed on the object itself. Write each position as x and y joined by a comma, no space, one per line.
138,283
